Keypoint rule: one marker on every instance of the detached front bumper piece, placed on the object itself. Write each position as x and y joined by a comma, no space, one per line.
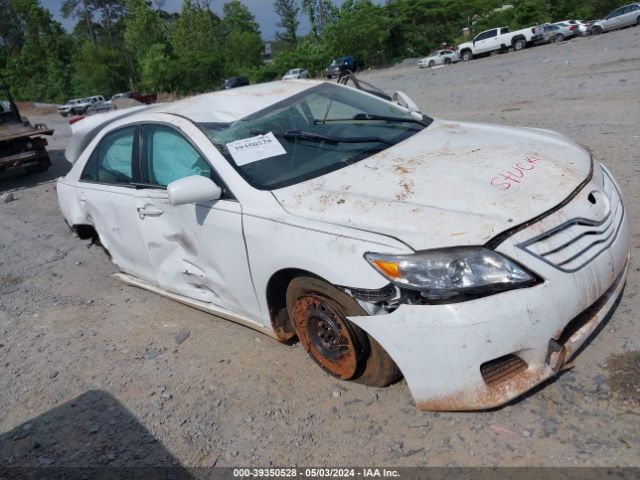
482,353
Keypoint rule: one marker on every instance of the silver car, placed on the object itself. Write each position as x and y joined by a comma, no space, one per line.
439,57
296,73
580,25
619,18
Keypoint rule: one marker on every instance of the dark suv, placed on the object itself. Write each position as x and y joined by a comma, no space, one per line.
233,82
340,65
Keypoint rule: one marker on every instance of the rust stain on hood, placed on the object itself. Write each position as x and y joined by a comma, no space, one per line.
435,185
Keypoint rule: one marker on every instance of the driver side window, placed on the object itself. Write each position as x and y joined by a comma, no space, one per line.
167,156
111,161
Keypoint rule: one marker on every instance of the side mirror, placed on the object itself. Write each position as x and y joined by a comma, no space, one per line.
193,189
405,101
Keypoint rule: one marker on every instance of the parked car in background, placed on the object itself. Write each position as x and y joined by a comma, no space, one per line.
621,17
580,25
497,40
296,73
320,211
557,32
341,65
87,105
142,98
235,82
567,31
65,109
439,57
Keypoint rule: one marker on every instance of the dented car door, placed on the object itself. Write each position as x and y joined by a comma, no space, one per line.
106,195
197,250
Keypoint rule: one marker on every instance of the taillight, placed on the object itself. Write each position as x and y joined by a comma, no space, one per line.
533,30
572,28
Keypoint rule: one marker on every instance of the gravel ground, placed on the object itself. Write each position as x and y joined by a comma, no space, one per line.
92,371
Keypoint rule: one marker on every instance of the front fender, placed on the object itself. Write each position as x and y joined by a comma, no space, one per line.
331,252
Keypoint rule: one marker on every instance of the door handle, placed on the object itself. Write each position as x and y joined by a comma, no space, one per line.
149,211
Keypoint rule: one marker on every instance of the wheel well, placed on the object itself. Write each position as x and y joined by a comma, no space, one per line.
277,301
515,39
85,232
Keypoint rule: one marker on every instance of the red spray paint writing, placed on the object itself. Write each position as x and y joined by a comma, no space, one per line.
515,175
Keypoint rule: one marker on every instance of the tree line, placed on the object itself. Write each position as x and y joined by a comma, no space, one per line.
119,45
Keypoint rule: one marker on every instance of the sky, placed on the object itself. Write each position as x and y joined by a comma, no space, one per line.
261,9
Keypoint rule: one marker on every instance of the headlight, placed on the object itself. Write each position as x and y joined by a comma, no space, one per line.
448,272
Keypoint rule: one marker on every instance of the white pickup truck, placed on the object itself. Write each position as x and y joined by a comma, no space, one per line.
83,106
499,39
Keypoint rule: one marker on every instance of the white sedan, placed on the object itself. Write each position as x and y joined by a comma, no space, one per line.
473,259
439,57
296,74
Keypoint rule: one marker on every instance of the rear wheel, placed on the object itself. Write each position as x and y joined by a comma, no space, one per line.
519,44
447,61
339,347
431,63
559,37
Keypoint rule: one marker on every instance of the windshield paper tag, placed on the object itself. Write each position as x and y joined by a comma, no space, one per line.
252,149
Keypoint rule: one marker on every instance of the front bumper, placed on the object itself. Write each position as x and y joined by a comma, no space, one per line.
482,353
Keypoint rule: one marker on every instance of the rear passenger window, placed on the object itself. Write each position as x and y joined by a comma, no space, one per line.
168,156
111,161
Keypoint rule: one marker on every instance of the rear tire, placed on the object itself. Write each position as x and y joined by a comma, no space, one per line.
519,44
431,63
560,37
318,311
447,61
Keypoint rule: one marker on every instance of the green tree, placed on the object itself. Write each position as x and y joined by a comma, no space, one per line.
320,13
37,64
198,64
99,69
361,30
287,10
237,17
83,10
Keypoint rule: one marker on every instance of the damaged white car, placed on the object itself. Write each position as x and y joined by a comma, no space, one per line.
473,259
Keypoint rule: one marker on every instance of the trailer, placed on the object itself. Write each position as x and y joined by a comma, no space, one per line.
22,145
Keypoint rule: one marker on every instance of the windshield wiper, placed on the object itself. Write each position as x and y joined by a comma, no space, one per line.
316,137
372,117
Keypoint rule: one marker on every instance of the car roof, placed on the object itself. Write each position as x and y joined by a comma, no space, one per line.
230,105
217,107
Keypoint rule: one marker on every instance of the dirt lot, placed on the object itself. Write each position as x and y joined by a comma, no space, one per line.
91,373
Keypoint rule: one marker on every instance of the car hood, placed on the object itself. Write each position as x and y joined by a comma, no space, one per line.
451,184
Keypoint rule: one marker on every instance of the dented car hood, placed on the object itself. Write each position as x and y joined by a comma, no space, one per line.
450,184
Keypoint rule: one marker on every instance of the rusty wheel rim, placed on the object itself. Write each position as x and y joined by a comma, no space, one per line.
325,335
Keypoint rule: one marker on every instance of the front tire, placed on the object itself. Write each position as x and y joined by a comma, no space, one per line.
431,63
596,31
318,311
467,56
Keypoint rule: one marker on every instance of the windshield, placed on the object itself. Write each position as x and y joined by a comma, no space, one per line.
320,130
